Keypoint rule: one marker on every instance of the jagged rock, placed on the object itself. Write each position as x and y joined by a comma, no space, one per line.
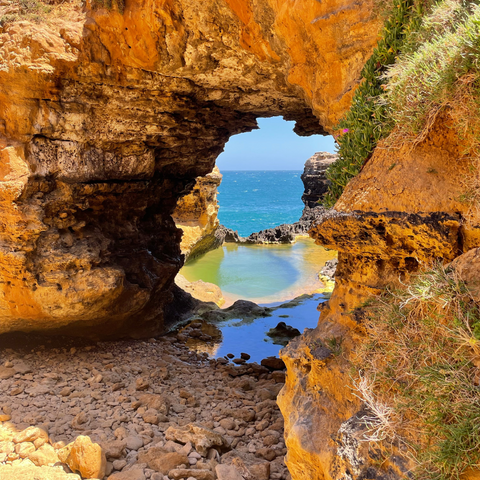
23,472
196,214
314,177
240,309
85,457
198,474
161,460
105,125
330,268
227,472
132,474
282,333
285,233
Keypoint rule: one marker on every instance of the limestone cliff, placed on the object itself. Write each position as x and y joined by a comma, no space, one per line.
401,212
108,117
196,215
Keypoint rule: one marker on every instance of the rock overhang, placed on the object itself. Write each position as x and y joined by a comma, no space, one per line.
112,116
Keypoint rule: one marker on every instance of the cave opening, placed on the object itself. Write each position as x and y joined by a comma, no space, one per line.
260,189
264,254
261,186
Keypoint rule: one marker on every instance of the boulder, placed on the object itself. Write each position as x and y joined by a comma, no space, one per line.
161,460
85,457
282,333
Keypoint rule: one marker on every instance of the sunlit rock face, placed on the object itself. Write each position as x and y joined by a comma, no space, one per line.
196,214
403,211
107,119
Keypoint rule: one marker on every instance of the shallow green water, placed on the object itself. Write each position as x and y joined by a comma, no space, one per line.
261,273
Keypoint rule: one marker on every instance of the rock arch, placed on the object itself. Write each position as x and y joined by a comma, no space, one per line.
107,118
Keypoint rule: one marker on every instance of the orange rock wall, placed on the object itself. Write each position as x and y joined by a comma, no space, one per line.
106,119
196,215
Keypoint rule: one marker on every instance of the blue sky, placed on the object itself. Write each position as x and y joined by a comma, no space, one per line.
273,147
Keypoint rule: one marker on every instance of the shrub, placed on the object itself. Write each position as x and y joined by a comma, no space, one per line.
427,61
110,4
418,368
33,10
439,70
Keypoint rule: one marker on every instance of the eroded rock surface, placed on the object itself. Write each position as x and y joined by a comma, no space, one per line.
400,213
196,215
314,177
107,119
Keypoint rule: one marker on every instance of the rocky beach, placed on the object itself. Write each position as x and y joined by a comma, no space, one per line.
138,410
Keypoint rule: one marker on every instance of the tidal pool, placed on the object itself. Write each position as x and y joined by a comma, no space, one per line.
261,273
250,335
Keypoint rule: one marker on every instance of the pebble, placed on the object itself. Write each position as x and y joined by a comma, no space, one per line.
125,396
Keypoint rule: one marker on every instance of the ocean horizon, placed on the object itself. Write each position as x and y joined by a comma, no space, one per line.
254,200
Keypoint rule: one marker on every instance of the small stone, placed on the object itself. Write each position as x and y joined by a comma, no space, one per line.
160,460
114,448
119,464
202,438
267,453
227,472
198,474
141,384
273,363
6,372
260,471
133,442
245,356
131,474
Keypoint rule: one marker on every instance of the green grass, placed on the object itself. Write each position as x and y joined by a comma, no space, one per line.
439,70
427,61
32,10
367,120
419,365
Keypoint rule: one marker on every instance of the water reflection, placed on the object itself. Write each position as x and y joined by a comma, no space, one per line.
249,335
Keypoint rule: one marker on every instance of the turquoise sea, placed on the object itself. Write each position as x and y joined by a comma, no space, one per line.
254,200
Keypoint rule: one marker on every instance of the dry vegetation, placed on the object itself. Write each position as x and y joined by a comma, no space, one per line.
419,374
42,10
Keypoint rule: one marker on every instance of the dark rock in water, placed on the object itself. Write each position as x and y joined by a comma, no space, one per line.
282,334
315,186
273,363
242,309
245,356
314,177
330,268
